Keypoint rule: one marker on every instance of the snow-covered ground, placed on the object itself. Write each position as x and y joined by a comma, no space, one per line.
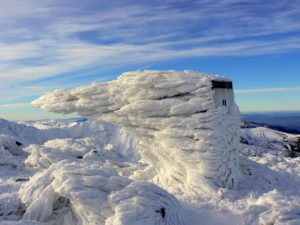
169,153
86,173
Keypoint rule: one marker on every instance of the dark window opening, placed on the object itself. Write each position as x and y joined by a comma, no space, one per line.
162,212
221,84
18,143
224,102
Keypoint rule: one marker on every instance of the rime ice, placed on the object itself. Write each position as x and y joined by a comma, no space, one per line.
184,127
186,123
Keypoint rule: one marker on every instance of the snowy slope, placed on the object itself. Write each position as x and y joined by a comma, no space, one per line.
83,173
267,139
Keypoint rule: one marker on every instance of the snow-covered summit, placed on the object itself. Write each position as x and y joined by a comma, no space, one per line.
187,123
88,174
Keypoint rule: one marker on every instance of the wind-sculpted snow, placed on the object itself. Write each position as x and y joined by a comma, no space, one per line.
189,143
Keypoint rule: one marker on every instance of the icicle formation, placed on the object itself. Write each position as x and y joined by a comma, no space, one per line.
188,134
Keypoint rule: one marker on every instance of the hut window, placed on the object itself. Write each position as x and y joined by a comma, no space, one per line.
224,102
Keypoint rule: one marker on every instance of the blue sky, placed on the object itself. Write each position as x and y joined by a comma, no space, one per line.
50,44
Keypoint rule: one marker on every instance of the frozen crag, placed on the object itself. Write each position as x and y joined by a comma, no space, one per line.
182,137
189,141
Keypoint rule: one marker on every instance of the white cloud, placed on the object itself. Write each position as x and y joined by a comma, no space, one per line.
48,38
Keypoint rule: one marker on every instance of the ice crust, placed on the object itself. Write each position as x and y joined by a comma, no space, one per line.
189,143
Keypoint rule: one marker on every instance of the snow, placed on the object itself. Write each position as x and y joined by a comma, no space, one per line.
92,178
96,194
265,139
146,166
189,143
267,192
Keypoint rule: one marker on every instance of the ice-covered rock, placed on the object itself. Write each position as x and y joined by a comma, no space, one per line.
275,208
8,159
88,193
85,181
9,149
177,131
101,146
186,122
53,151
10,144
42,132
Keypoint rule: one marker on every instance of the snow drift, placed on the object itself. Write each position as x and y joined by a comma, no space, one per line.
189,142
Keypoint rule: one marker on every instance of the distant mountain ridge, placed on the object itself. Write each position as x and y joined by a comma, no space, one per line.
247,124
288,122
266,137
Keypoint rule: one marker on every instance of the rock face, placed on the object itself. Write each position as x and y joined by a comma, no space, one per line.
188,136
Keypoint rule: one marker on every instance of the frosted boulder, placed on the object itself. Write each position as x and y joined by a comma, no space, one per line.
147,204
43,156
10,149
186,122
74,193
8,159
10,144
